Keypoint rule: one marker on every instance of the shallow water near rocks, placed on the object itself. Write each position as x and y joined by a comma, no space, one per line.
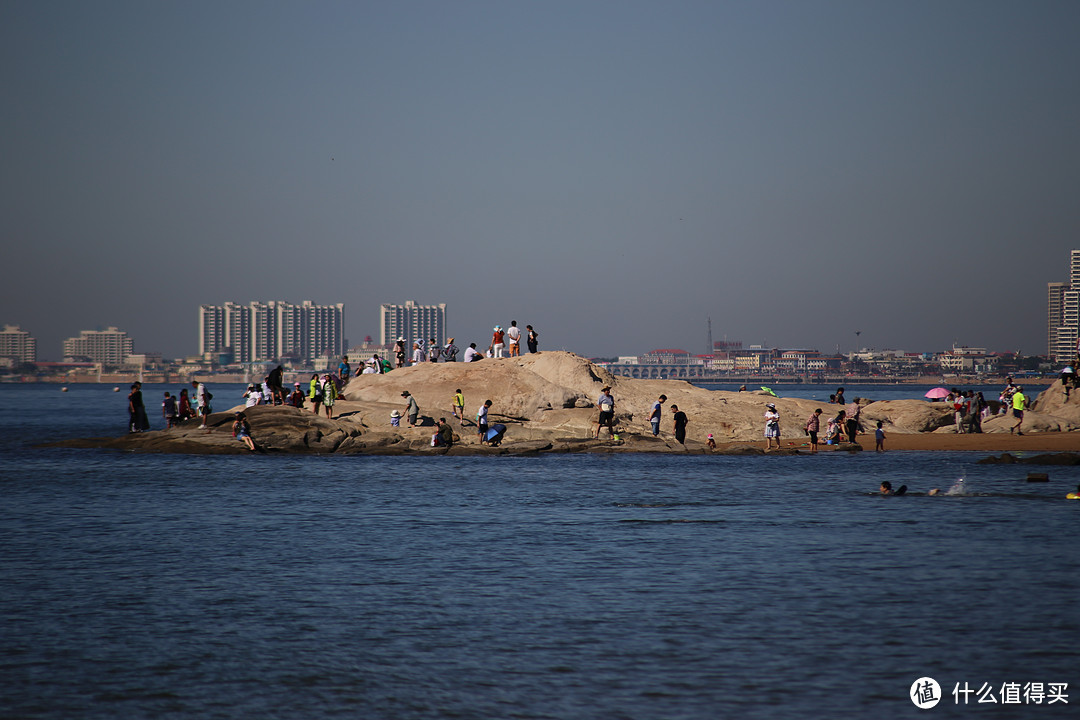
551,587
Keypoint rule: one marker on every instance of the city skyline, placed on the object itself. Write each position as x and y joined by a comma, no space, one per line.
612,173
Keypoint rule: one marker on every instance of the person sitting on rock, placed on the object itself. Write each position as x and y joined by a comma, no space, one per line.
241,430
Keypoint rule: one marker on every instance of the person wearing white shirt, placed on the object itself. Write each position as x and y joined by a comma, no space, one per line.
513,335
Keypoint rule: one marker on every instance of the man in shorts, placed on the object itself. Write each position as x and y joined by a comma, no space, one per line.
412,409
1019,402
513,335
606,403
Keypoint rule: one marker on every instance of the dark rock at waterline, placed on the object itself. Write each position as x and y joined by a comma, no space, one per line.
1066,458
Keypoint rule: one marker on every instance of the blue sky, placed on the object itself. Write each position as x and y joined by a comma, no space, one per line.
614,173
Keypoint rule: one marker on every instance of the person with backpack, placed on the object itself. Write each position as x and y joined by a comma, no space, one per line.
450,351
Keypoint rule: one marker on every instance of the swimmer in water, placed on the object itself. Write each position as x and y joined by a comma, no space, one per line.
886,489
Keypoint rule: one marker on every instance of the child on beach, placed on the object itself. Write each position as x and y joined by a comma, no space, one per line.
395,418
879,438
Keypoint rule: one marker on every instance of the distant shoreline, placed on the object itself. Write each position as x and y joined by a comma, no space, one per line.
237,378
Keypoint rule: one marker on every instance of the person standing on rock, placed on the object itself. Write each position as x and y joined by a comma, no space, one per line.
497,345
433,350
513,334
851,423
654,415
532,339
459,406
482,420
168,409
202,402
275,379
606,403
137,422
680,422
412,409
772,426
315,393
961,403
813,425
399,352
329,396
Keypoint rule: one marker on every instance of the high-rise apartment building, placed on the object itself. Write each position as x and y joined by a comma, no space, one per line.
17,345
271,331
412,322
108,347
1063,314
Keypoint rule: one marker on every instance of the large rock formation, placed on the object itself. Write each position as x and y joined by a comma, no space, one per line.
547,402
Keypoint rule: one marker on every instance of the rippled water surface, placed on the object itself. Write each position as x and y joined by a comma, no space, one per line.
551,587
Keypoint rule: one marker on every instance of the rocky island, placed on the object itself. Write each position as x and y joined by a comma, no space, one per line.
547,402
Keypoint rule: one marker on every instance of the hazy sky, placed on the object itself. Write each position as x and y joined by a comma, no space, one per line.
614,173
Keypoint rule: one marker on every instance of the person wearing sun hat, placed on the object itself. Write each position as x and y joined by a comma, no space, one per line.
772,426
296,399
497,342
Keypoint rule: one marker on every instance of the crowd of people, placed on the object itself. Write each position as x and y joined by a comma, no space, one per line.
504,343
322,391
174,408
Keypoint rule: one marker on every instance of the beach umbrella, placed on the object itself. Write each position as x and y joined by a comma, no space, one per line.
937,393
769,390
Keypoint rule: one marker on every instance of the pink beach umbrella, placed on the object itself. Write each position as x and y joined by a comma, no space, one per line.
937,393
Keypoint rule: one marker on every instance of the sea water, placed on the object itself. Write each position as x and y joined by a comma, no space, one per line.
569,586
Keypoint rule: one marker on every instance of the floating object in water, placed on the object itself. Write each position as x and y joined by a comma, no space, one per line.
63,389
116,389
1038,477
